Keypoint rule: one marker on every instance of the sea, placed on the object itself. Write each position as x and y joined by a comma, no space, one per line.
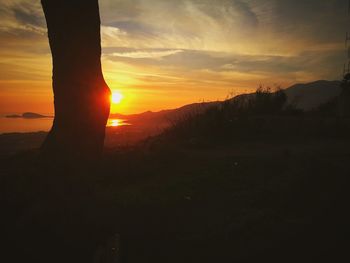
24,125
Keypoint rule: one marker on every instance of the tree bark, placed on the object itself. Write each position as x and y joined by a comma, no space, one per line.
81,95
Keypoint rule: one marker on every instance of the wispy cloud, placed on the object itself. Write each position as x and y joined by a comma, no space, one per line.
22,18
147,54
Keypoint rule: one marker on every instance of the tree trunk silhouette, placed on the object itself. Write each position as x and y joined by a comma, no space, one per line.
81,95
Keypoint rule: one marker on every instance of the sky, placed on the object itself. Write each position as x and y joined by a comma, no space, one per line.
164,54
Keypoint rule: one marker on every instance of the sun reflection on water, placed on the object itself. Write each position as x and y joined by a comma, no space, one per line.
116,123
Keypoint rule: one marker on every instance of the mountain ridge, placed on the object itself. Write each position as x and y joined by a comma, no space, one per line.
300,95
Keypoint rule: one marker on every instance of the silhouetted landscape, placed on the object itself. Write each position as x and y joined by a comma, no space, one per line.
241,180
260,175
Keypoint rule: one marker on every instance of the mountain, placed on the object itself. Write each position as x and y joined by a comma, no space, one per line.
306,96
165,117
303,96
311,95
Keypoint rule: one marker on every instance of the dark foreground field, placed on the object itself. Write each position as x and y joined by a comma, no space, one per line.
249,180
277,200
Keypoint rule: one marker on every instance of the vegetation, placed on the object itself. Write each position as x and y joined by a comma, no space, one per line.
264,115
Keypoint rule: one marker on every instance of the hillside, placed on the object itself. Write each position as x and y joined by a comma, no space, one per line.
311,95
165,116
303,96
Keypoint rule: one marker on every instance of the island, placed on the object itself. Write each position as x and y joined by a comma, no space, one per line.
28,115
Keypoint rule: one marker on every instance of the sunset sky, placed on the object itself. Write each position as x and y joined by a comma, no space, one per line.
163,54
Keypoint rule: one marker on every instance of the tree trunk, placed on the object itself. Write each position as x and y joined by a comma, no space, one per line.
81,95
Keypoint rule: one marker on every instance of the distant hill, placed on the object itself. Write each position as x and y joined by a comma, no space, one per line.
307,96
303,96
165,117
311,95
28,115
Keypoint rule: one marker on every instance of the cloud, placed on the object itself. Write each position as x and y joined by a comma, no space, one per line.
22,18
112,36
180,24
147,54
229,11
306,66
313,20
271,27
29,13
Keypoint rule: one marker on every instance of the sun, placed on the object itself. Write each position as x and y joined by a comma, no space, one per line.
116,97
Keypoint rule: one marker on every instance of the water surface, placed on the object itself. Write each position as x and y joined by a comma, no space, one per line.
9,125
